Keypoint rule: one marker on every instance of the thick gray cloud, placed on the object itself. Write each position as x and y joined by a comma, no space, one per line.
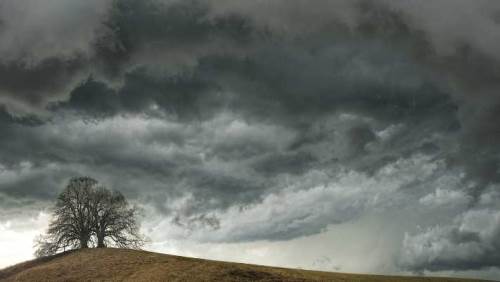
243,121
33,31
26,87
470,242
44,47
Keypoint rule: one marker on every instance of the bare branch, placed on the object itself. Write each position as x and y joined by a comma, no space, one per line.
87,214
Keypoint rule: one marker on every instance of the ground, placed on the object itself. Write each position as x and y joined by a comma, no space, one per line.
131,265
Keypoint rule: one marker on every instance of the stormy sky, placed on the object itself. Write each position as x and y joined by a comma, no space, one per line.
358,136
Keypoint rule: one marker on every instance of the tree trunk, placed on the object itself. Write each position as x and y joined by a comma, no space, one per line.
84,240
100,237
84,243
100,241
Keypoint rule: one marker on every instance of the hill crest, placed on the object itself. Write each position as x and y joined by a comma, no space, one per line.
132,265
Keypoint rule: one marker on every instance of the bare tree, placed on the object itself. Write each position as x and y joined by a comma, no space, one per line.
86,213
71,225
115,220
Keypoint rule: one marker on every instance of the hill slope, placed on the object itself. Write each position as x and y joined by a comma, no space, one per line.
130,265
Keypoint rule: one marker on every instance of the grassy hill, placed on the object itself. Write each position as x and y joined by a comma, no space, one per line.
131,265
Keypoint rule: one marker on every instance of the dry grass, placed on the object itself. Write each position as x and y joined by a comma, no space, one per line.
130,265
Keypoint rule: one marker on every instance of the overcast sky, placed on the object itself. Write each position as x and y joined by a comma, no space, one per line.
358,136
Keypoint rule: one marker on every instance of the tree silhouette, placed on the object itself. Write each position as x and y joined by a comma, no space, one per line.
88,214
115,220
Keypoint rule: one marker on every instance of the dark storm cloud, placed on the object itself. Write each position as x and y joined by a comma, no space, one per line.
183,96
44,47
34,85
92,98
471,68
471,65
288,82
135,30
128,33
279,82
207,110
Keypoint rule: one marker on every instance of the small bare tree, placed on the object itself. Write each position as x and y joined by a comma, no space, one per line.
86,213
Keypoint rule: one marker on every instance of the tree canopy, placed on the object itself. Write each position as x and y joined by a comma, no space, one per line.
87,214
